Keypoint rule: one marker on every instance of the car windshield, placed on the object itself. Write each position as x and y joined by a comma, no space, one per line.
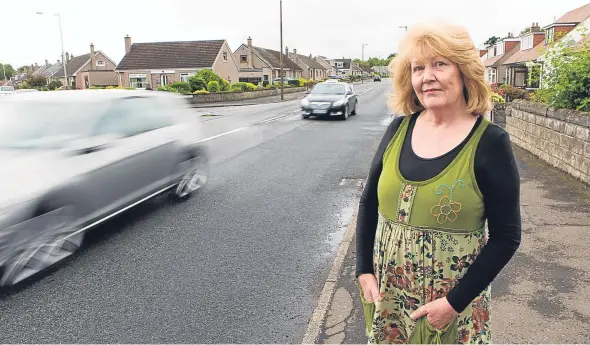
6,88
328,89
34,125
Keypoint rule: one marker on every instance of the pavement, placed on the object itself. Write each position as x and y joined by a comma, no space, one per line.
242,262
542,295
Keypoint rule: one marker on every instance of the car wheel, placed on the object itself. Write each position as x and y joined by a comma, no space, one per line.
194,179
305,117
60,237
345,115
354,110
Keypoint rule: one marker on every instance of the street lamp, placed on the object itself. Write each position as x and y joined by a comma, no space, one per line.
63,55
4,68
363,60
404,27
281,51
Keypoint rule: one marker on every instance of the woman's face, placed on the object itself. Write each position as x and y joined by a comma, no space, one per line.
437,82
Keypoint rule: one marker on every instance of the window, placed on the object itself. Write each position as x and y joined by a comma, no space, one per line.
549,35
526,42
164,79
100,63
224,56
491,51
492,75
132,116
138,81
243,58
500,48
339,64
185,76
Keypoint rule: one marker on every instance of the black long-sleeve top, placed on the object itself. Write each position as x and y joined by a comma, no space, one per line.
498,179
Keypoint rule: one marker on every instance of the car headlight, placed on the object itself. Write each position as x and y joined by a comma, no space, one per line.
304,102
338,103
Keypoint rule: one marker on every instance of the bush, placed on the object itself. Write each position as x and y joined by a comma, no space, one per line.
181,86
566,81
201,92
243,86
512,92
197,83
497,98
213,86
167,88
54,84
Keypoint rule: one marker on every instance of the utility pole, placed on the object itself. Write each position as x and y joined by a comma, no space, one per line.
63,55
4,68
282,79
363,60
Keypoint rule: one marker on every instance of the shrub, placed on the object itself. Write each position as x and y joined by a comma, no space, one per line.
54,84
181,86
566,81
243,86
167,88
197,83
213,86
201,92
512,92
498,98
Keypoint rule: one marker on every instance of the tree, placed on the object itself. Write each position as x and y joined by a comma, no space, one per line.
36,81
491,41
565,80
9,71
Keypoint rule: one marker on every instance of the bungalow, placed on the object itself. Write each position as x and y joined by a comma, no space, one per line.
520,67
342,66
311,69
496,56
565,28
258,64
92,69
325,62
155,64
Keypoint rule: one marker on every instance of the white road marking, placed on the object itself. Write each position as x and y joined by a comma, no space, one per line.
222,134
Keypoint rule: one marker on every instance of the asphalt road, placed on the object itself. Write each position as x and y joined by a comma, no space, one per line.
243,262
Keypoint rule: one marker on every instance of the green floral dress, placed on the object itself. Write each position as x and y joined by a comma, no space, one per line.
428,235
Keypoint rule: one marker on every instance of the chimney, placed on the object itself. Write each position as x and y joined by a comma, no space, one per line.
46,63
92,57
127,44
67,56
250,62
71,57
295,55
287,51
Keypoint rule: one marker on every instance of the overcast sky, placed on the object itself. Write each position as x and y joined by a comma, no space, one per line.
333,28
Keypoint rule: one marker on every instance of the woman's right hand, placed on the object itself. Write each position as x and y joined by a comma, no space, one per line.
369,285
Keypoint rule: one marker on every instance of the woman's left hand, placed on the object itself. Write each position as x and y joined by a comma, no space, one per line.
438,312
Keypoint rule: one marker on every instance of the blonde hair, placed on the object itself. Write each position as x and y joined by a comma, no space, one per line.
453,42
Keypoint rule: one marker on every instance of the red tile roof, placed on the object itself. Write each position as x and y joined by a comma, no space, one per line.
526,55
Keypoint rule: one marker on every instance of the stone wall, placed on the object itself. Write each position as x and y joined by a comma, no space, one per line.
561,137
236,96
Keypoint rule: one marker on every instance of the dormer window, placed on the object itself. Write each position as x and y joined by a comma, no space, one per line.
526,42
500,48
549,35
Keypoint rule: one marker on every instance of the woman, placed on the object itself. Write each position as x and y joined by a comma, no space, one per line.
424,261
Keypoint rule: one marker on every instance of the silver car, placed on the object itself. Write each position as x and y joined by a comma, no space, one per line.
73,159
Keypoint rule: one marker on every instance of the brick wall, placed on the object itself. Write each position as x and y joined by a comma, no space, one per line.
561,137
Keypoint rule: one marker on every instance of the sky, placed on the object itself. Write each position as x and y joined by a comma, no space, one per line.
332,28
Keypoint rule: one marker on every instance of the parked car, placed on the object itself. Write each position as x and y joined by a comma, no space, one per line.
376,78
7,90
330,98
73,159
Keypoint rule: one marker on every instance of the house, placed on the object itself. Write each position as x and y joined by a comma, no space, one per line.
258,64
325,62
565,28
155,64
356,69
49,70
381,70
496,56
311,69
342,66
367,71
521,65
92,69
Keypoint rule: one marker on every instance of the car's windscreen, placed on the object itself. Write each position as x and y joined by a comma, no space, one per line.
6,88
31,125
328,89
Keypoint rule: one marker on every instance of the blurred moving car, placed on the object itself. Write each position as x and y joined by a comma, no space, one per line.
377,78
73,159
330,98
7,90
